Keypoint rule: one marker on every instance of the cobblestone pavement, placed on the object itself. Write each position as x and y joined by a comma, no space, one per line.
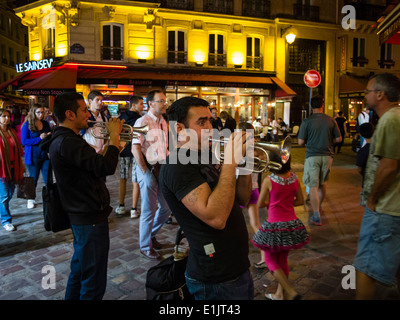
315,270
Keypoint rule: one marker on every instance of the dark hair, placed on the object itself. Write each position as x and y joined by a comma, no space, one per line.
2,110
64,102
389,83
317,102
134,99
151,94
367,130
225,115
245,126
276,158
340,113
93,94
180,108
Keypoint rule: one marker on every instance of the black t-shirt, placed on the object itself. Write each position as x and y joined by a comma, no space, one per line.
231,246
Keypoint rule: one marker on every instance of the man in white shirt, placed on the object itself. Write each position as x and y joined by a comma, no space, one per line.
149,151
95,100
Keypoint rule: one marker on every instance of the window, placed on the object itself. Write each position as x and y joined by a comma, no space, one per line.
386,56
218,6
256,8
359,59
216,50
253,56
50,43
177,47
112,48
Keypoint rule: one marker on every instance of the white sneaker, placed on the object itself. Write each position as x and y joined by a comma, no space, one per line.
9,227
120,210
30,204
134,214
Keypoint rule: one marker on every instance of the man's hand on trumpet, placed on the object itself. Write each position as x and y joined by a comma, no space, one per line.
240,143
114,127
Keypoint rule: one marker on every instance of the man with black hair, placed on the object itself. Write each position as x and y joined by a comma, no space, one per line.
79,173
95,101
127,161
318,133
206,199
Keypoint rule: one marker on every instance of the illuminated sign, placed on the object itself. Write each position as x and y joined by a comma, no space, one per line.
34,65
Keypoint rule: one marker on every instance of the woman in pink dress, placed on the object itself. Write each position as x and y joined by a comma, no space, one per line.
282,231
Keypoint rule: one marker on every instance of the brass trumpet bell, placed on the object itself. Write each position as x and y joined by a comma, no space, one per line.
260,164
127,134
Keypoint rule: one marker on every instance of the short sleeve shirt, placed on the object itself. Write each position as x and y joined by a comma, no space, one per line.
231,247
385,144
155,145
318,131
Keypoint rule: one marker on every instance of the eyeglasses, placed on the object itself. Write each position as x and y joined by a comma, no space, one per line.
368,91
39,112
160,101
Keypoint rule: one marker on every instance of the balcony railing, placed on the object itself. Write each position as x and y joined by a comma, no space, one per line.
219,6
48,53
256,8
178,4
304,12
112,53
177,57
217,59
386,63
254,62
359,61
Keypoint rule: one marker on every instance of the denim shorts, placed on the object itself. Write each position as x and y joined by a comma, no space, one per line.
378,253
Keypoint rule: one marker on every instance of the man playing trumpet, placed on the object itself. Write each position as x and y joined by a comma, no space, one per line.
206,199
79,172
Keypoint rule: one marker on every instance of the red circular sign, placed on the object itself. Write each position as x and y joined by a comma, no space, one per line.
312,78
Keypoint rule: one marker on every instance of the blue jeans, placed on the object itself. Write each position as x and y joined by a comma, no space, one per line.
241,288
36,166
151,218
88,277
6,192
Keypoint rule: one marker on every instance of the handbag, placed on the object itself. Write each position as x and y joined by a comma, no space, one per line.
26,189
55,218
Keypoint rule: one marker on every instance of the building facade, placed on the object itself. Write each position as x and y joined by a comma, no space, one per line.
232,53
13,47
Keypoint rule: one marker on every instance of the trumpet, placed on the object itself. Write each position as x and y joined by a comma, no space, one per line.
127,134
282,149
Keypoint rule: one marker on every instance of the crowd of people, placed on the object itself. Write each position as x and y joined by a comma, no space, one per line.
206,198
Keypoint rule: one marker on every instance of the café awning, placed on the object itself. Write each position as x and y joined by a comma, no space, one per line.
63,77
351,86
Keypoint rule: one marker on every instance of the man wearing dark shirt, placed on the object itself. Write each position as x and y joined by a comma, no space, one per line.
79,173
206,202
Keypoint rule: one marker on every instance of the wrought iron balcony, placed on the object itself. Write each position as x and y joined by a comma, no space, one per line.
112,53
178,4
177,57
219,6
256,8
254,62
217,59
304,12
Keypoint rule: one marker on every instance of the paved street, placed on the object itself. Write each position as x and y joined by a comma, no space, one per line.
315,270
